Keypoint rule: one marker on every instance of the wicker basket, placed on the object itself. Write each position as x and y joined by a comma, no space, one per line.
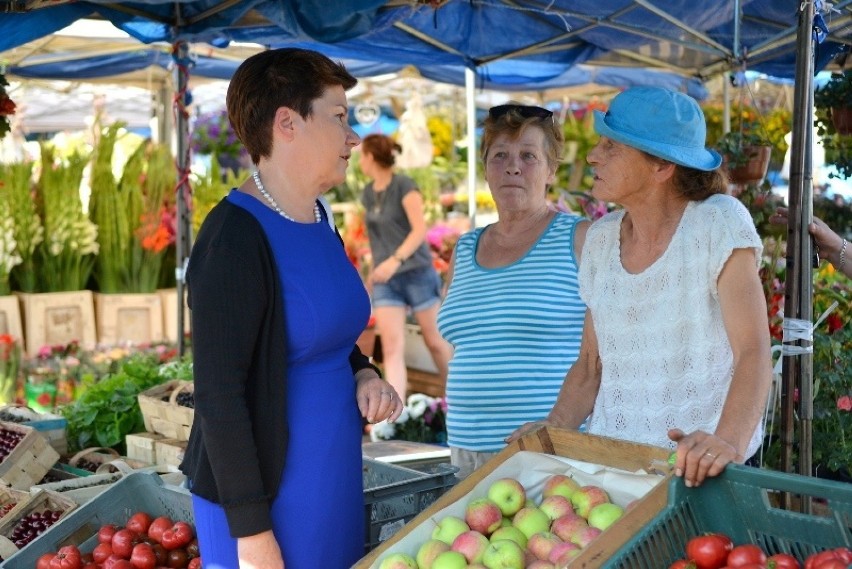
107,460
40,501
53,427
161,412
29,461
14,500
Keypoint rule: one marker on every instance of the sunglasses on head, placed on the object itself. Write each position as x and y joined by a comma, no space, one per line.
526,111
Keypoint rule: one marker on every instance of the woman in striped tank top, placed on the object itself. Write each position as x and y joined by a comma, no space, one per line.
512,310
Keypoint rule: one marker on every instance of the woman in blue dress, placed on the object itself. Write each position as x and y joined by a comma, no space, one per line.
274,456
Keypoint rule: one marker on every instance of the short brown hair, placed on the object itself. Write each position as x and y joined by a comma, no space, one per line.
382,148
513,124
269,80
694,184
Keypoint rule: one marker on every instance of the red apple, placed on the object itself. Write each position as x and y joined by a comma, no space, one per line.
559,485
483,515
472,545
427,553
587,498
567,525
540,544
556,506
584,536
398,561
563,552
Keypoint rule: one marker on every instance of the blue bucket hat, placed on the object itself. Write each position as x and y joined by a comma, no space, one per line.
663,123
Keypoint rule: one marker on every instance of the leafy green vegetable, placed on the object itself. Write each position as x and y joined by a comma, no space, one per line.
108,410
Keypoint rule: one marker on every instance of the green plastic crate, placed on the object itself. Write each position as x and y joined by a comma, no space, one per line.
135,491
394,495
739,503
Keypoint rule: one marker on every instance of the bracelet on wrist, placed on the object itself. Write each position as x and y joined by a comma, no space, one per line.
841,259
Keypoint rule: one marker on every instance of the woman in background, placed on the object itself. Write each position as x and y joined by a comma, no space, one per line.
403,277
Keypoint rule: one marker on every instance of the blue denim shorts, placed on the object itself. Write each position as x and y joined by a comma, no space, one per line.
417,288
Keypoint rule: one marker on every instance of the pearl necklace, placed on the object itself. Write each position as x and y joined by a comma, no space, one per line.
256,176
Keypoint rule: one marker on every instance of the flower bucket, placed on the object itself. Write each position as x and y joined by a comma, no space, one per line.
841,117
754,170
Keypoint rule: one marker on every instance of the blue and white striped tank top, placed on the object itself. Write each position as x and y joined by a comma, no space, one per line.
515,331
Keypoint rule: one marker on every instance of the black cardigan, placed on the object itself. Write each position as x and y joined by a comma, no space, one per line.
235,455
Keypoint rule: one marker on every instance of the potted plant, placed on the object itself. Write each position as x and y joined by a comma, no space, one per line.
746,155
834,101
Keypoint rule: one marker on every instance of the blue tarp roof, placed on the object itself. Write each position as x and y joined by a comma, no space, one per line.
692,38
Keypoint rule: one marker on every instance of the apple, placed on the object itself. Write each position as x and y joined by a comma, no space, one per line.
508,494
559,485
563,552
556,506
471,544
428,551
398,561
584,536
476,566
483,515
531,521
450,560
567,525
448,529
539,564
511,533
604,515
540,544
503,554
506,522
587,498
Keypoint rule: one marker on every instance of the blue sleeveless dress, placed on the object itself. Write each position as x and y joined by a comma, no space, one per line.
318,515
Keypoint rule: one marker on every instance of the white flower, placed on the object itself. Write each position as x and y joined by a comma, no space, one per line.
382,431
404,416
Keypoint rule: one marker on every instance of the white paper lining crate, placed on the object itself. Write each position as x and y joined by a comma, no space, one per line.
53,427
52,318
81,489
29,461
166,417
40,502
134,318
10,317
628,471
137,491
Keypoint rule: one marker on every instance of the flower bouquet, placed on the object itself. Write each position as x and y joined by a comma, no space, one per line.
16,192
10,364
7,107
423,420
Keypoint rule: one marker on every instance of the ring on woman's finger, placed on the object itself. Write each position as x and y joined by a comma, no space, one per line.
388,393
710,454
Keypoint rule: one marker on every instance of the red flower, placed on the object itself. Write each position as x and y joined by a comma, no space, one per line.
844,403
834,322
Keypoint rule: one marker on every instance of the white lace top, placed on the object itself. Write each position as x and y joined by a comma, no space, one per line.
666,357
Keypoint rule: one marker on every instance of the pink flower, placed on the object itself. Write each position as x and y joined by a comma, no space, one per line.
844,403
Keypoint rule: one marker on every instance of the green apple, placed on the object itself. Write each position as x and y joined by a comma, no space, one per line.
531,521
449,528
398,561
503,554
587,498
559,485
450,560
427,553
509,495
511,533
604,515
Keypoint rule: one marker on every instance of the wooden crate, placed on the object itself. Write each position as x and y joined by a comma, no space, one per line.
29,461
170,451
612,453
161,412
40,501
53,427
10,317
17,499
108,460
140,446
57,318
133,318
169,300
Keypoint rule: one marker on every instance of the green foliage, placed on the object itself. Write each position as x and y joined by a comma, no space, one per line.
108,410
837,92
771,126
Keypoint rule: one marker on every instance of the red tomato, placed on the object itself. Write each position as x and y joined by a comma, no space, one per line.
101,552
161,553
682,564
44,561
194,563
177,558
67,557
821,560
106,532
91,565
747,554
158,526
123,542
709,551
143,557
192,549
179,535
782,561
139,522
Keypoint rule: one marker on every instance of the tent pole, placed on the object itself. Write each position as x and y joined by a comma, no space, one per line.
183,191
797,370
469,88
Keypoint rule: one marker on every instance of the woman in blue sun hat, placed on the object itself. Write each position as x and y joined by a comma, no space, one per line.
675,350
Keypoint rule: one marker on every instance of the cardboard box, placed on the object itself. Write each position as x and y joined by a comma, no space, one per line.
417,355
52,318
627,467
10,317
169,451
140,446
134,318
169,300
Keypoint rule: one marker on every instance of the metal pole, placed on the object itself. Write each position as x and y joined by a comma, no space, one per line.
183,190
797,370
469,87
